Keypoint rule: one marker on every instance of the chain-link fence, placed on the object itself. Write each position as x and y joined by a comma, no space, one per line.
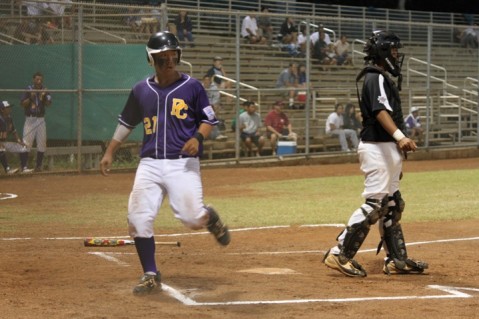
90,54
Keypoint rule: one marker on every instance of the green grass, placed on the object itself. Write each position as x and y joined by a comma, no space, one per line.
429,196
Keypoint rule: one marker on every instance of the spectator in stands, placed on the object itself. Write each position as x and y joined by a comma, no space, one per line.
289,37
148,23
316,35
213,93
250,128
35,9
278,126
413,125
264,25
249,30
214,99
32,32
132,20
58,8
302,38
288,79
241,111
335,127
341,49
301,96
351,118
289,31
163,18
302,81
321,50
218,69
469,37
184,27
331,53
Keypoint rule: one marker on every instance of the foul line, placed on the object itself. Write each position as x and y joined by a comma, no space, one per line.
182,234
452,292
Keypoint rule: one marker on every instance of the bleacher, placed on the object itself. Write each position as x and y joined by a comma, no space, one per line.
261,65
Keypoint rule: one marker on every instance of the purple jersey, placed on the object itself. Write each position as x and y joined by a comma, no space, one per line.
170,116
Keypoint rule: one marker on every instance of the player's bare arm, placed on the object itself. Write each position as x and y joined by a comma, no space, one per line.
404,142
120,135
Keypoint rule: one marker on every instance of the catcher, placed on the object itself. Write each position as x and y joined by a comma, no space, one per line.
380,154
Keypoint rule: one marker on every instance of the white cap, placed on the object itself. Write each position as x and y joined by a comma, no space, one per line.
414,109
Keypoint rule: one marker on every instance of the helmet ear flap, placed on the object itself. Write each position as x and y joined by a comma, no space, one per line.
150,59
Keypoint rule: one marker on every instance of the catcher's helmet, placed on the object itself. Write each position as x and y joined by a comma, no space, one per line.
378,48
160,42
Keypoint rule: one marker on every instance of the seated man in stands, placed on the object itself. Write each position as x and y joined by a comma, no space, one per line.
218,69
334,127
341,48
316,35
413,125
288,78
323,51
184,27
214,99
250,128
278,126
249,30
289,37
265,25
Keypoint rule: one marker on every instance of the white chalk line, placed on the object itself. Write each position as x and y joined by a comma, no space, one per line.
109,257
452,292
302,252
182,234
7,196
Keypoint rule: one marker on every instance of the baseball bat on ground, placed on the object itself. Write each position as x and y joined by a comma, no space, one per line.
108,242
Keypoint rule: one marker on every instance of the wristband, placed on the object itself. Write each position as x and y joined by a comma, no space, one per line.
199,137
398,135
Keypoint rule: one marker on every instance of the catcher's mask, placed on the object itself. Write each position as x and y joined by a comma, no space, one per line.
378,49
160,42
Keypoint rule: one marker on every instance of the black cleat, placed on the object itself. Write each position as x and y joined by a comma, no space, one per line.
217,228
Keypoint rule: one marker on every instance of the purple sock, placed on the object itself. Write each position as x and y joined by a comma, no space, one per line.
145,248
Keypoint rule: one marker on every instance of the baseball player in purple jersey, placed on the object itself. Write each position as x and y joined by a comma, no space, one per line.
8,128
176,116
380,151
34,100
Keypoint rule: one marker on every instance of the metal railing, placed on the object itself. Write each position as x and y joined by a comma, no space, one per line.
258,102
89,27
443,80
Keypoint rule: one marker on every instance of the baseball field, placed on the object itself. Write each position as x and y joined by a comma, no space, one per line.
282,220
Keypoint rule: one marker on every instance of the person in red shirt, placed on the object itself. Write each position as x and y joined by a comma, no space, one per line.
278,126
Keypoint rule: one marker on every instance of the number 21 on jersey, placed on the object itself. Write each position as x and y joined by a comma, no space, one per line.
178,110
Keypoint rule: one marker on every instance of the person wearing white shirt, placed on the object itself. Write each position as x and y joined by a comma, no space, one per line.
315,36
249,30
334,127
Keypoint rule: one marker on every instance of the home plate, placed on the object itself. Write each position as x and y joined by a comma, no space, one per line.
271,271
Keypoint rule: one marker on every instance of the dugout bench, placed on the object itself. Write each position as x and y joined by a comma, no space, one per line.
90,155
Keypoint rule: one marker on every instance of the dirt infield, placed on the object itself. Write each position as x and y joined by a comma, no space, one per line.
264,273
